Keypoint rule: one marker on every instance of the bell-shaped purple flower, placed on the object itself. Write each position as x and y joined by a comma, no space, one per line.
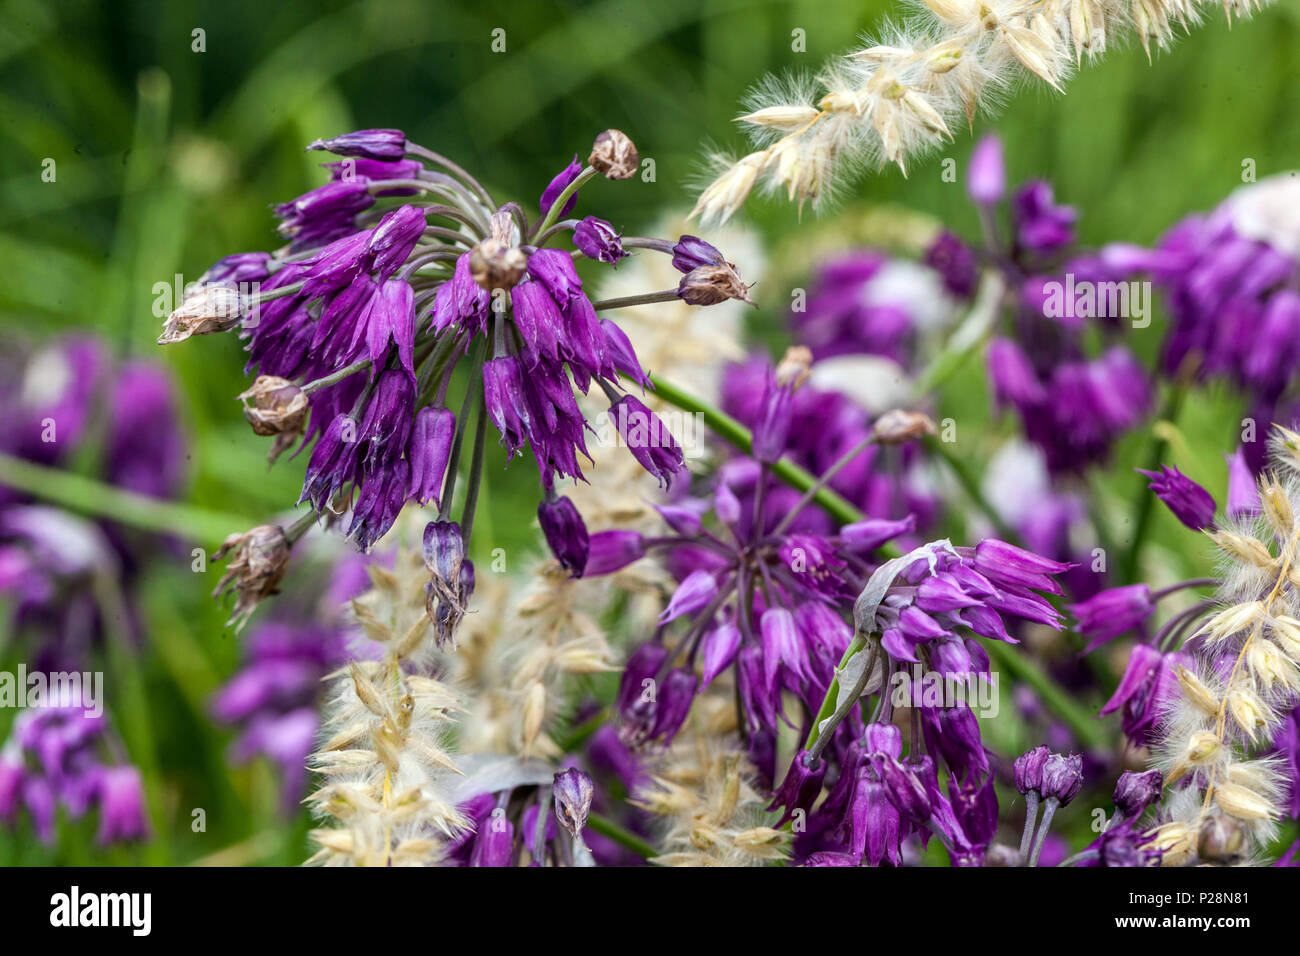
388,144
720,646
121,805
782,647
495,841
1190,503
557,186
986,180
648,438
1042,227
610,551
1146,689
431,438
691,252
694,594
800,788
873,823
869,534
566,533
1110,613
956,264
507,408
1012,376
1243,494
905,791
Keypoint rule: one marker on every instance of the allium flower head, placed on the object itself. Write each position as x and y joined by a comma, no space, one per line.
365,319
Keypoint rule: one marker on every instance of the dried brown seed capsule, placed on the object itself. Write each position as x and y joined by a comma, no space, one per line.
614,155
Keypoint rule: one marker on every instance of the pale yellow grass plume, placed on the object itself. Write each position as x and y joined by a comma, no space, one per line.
907,90
1246,679
702,791
385,767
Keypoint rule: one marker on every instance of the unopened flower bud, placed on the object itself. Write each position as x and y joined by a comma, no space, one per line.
691,252
1134,792
1029,769
614,155
900,426
1062,777
258,559
573,792
710,284
213,308
566,533
495,264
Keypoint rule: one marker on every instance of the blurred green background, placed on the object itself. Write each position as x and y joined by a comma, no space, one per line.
168,159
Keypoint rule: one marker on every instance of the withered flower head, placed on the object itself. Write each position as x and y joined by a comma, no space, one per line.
279,408
451,581
711,284
900,426
496,264
258,559
614,155
573,791
213,308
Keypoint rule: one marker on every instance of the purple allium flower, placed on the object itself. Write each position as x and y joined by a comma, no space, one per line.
610,551
648,438
273,698
1062,777
864,303
772,429
1243,495
1229,280
565,532
557,186
495,840
121,805
324,214
720,646
1113,612
986,181
799,790
1135,791
53,759
597,239
1041,226
1190,503
430,449
956,264
1012,377
1029,769
692,252
374,313
1147,688
372,171
384,144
